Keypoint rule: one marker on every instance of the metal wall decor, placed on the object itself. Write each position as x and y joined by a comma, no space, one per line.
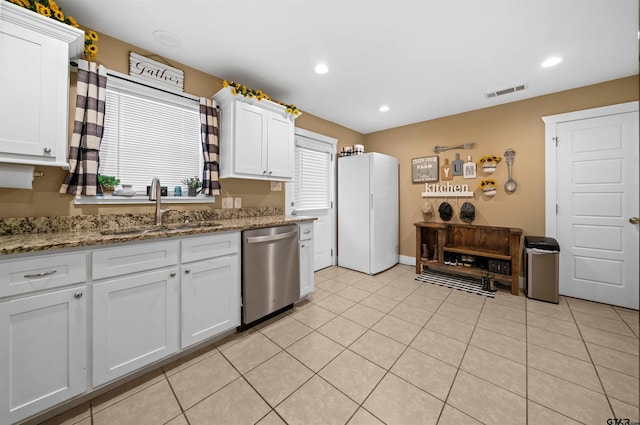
510,186
440,149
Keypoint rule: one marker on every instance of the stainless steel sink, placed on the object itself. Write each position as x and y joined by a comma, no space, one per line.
158,229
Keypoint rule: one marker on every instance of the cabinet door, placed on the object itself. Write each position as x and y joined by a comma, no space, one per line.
306,267
251,139
210,298
135,322
280,147
33,93
43,354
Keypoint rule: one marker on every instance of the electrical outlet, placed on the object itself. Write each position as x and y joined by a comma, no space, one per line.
227,203
237,202
276,186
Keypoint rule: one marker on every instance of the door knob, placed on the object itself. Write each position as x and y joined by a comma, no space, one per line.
634,220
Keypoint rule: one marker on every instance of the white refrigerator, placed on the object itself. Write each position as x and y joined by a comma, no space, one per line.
368,212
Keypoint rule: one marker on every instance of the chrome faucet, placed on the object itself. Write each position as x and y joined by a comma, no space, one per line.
154,195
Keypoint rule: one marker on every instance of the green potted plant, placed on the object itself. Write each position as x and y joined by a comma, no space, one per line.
193,184
108,183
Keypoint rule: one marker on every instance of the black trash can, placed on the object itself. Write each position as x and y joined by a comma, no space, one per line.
541,268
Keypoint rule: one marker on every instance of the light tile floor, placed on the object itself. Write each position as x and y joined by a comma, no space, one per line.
387,349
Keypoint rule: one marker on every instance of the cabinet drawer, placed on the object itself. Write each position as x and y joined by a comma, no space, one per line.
305,231
42,272
133,258
210,246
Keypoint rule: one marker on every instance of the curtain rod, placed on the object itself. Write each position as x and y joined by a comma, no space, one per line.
131,80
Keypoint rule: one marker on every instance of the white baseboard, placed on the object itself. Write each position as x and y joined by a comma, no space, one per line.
409,261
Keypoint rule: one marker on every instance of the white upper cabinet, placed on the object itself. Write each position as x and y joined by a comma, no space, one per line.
256,138
34,86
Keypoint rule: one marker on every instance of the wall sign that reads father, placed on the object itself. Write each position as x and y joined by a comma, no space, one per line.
155,73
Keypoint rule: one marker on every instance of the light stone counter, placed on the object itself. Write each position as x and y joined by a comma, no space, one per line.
32,234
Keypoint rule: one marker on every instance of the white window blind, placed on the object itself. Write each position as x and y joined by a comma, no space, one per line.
312,184
150,133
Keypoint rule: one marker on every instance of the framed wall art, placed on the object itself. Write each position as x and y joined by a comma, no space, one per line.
424,169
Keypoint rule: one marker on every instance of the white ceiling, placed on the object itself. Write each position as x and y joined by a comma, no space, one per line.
424,58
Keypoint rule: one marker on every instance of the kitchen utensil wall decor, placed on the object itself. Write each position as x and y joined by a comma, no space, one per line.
457,166
469,169
510,186
440,149
424,169
446,171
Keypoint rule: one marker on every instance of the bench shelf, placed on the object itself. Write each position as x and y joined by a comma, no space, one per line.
486,243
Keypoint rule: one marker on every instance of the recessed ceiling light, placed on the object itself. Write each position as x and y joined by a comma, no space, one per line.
383,108
552,61
321,68
167,38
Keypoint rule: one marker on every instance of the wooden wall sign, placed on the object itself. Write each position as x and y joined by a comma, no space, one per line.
155,73
424,169
446,170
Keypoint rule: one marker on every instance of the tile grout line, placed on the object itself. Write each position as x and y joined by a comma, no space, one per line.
593,364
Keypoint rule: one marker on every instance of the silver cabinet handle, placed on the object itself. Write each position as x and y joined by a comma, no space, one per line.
47,150
302,246
269,172
187,271
77,295
264,172
634,220
34,275
306,232
172,274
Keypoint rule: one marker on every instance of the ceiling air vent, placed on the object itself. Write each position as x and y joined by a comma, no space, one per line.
505,91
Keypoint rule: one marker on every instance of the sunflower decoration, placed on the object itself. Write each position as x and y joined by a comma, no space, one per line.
490,158
487,184
239,89
50,9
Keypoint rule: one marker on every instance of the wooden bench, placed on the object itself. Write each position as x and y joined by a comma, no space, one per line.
485,243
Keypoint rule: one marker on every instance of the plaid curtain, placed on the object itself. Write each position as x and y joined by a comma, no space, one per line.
210,150
88,127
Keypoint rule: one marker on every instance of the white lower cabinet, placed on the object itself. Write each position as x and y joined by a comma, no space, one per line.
43,352
210,299
135,322
306,259
143,301
210,288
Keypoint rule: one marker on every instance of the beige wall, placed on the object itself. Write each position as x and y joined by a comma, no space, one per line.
516,125
44,199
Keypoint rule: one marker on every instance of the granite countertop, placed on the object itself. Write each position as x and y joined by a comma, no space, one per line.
33,234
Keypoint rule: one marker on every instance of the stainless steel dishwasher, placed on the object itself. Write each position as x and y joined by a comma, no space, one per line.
270,271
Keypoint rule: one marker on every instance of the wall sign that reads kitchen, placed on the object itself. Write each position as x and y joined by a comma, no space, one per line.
424,169
155,73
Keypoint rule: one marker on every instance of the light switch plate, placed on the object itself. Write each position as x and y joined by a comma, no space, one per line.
227,203
237,202
276,186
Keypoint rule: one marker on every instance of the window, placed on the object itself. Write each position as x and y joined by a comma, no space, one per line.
150,132
312,182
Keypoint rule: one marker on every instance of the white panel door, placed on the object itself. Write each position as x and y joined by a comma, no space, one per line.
135,322
43,352
280,146
324,228
597,194
210,298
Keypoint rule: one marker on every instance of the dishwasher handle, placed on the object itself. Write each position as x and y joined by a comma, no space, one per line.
270,238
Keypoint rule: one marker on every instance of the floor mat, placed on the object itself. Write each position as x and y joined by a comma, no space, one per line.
461,283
